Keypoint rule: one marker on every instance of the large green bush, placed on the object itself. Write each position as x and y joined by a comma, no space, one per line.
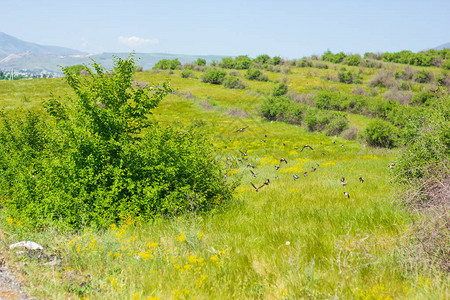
380,134
214,76
96,157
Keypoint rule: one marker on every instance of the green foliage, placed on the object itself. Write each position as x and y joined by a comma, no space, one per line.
75,69
276,60
233,82
282,109
96,157
263,59
446,64
167,64
352,60
349,77
331,122
421,98
427,144
242,62
255,74
423,76
280,89
186,73
380,134
214,76
201,62
334,58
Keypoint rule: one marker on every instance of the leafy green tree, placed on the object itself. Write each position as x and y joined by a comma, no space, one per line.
96,157
201,62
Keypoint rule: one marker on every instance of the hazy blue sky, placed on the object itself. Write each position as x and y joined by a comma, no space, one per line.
290,29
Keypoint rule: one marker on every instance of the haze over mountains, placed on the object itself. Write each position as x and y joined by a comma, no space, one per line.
21,55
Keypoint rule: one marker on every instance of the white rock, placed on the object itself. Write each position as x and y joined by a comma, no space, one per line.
26,244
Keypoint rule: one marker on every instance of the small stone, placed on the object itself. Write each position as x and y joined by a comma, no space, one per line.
26,244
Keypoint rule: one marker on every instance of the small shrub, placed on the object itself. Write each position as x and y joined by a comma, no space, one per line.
186,73
423,76
383,79
280,89
274,107
333,123
345,77
214,76
232,82
400,97
255,74
352,60
276,60
262,59
380,134
350,134
446,64
359,90
76,69
421,98
201,62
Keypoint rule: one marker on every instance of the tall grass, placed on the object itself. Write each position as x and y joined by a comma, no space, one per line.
292,239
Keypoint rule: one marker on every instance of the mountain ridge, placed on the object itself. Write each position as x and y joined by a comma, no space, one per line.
12,45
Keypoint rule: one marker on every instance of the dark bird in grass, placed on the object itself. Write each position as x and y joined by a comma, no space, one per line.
306,146
361,179
343,181
305,174
313,169
253,174
249,165
295,177
347,194
256,188
283,159
391,166
241,129
323,154
243,153
277,167
265,135
267,182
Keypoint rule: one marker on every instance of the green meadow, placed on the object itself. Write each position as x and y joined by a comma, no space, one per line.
291,238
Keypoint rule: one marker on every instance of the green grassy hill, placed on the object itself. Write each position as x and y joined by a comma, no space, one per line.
291,239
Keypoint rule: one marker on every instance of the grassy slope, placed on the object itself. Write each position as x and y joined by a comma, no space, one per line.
292,239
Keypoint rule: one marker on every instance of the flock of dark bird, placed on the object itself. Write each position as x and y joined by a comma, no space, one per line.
283,160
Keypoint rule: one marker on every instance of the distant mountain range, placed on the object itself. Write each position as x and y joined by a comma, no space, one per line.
443,46
20,55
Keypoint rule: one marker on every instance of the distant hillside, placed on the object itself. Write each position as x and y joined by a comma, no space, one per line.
37,62
20,55
443,46
11,45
